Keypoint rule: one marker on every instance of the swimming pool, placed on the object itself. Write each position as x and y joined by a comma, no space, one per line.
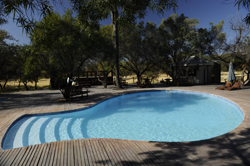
167,116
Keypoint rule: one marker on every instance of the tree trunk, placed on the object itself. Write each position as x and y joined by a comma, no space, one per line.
1,86
19,85
105,81
25,85
6,80
116,45
139,78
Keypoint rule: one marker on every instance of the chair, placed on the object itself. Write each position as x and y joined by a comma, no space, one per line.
227,85
140,85
236,85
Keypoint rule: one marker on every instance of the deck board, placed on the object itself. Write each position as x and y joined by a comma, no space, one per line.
89,152
120,152
5,157
32,155
19,155
83,151
38,155
103,153
65,156
113,157
46,154
12,157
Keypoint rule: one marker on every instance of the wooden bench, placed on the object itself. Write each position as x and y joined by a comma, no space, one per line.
70,92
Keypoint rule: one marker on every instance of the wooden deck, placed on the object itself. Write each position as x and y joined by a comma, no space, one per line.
232,148
88,152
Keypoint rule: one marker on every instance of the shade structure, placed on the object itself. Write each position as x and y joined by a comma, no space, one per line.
231,75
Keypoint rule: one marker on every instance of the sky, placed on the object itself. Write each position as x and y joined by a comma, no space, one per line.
205,11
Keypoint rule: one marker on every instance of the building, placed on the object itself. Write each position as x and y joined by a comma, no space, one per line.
197,71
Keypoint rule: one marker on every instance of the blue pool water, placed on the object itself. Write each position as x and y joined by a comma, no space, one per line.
168,116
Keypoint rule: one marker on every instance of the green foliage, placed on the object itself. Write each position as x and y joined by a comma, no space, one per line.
246,5
210,40
124,12
128,11
137,49
177,36
25,10
2,19
7,57
65,45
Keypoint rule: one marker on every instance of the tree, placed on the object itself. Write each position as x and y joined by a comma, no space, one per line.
2,19
208,41
246,5
66,45
28,66
7,55
105,59
238,50
177,37
136,50
123,12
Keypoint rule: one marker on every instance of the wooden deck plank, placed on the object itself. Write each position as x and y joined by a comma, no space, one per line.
141,153
132,159
26,155
62,153
71,153
50,156
20,155
65,161
76,159
104,158
120,152
133,150
5,156
113,156
84,154
89,152
78,153
145,152
97,155
12,157
150,150
56,153
104,153
31,155
44,154
38,155
46,162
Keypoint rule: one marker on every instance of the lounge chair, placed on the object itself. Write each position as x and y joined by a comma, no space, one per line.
140,85
227,85
236,85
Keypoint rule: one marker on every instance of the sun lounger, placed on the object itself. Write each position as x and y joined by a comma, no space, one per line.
140,85
227,85
236,85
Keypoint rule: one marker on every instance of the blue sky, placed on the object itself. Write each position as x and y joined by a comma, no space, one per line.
204,10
